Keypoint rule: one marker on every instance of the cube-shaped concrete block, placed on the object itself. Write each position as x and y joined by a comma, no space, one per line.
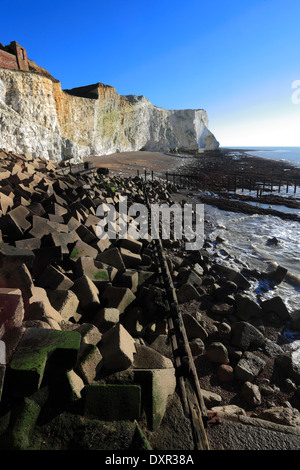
65,302
130,279
89,362
40,307
53,278
106,318
82,249
87,266
12,256
90,333
113,402
87,293
11,309
117,297
112,257
117,348
130,244
36,348
130,259
147,358
157,385
28,244
76,385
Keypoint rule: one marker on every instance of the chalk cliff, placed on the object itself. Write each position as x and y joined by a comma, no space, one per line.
38,117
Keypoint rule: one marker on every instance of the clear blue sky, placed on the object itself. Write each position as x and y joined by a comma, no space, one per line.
237,59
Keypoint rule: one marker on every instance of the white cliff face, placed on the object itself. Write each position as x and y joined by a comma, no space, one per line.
38,117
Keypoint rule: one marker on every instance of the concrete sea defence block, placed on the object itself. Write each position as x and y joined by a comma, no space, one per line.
18,277
11,256
82,249
130,259
112,257
135,246
53,278
117,348
28,244
90,333
12,309
113,402
15,223
130,279
87,293
86,235
89,362
40,307
87,266
76,385
6,203
148,358
117,297
106,318
156,385
21,425
61,239
64,301
37,346
40,227
12,339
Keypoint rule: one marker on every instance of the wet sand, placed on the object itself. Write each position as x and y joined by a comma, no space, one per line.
128,163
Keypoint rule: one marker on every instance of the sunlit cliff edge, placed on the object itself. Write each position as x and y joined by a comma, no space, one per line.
38,117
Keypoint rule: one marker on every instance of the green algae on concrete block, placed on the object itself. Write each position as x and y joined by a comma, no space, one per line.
102,275
21,425
113,402
36,348
74,253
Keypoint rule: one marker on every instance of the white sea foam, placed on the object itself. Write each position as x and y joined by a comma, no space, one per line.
246,238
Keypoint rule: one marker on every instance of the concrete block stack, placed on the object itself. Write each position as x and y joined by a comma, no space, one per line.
65,296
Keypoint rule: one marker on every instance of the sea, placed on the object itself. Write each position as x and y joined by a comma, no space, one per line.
288,154
246,244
